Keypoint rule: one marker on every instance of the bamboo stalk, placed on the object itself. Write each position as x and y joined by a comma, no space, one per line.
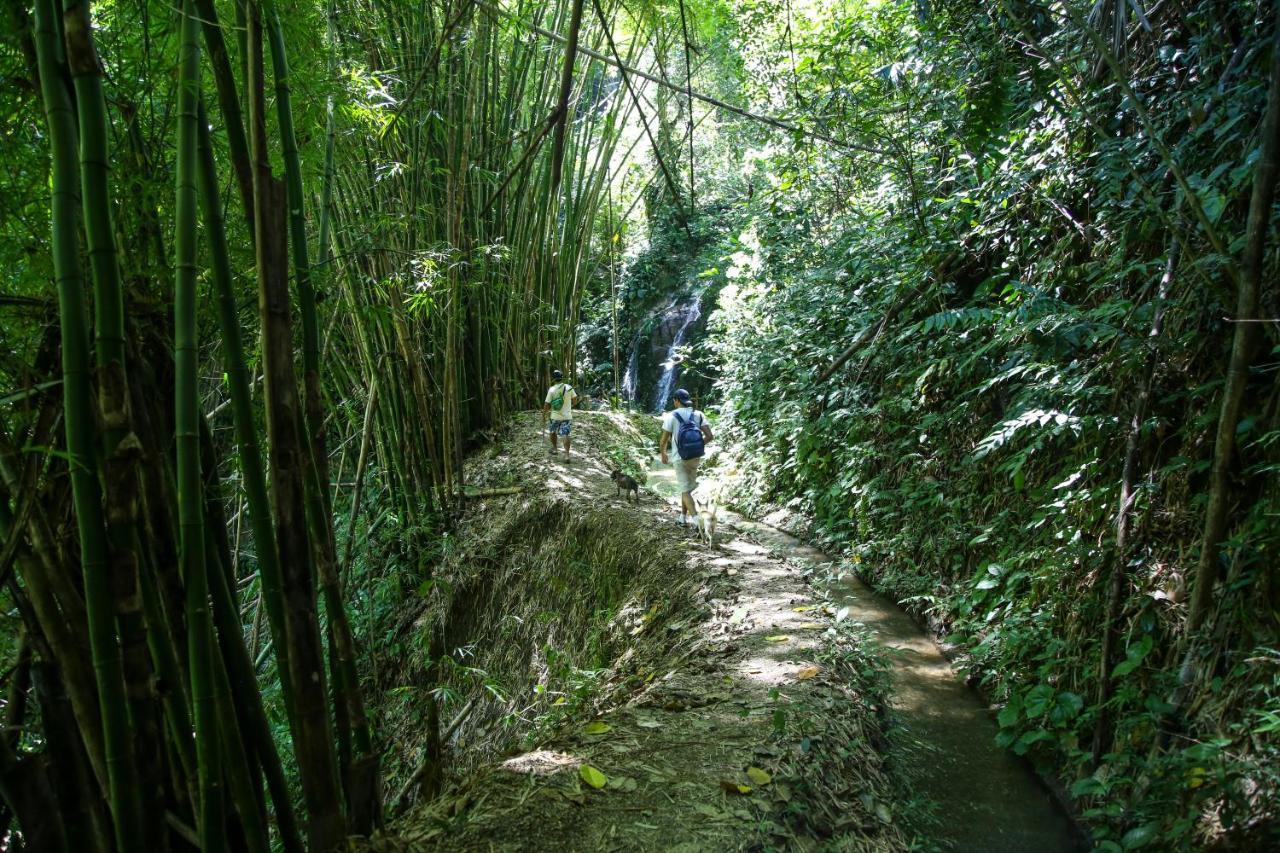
313,745
186,350
238,382
79,424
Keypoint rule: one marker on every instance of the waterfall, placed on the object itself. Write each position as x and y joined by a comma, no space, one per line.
688,314
629,378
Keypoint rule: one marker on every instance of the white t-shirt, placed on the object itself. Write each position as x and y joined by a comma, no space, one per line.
671,425
565,412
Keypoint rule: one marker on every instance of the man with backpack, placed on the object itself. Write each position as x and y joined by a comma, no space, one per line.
559,405
687,429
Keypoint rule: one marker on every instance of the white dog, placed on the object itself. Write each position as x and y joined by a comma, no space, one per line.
706,520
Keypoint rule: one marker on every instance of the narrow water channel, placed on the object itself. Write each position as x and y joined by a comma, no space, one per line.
983,798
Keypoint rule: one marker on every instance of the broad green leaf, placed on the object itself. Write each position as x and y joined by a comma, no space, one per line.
1133,657
1140,836
1037,700
592,776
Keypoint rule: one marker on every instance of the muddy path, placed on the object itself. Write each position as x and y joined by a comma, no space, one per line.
977,796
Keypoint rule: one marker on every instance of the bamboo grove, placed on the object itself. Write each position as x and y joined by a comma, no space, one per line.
291,244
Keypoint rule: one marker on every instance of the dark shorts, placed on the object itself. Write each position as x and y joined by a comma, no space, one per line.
560,428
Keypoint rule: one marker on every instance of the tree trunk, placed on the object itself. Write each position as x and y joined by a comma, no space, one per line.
1243,341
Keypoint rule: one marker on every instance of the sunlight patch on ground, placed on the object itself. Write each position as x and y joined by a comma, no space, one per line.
768,670
541,762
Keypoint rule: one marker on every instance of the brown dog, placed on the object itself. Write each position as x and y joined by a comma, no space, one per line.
626,485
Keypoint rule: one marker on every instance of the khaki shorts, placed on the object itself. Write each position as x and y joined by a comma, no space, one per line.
686,473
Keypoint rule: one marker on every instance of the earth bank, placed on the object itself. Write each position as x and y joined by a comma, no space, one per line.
607,682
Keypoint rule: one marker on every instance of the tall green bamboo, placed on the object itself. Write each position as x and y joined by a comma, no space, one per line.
326,190
313,743
255,487
298,241
120,448
238,384
200,647
319,504
80,430
228,102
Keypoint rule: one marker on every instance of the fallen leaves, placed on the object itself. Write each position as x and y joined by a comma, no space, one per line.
596,728
731,787
592,776
623,783
808,672
776,638
760,777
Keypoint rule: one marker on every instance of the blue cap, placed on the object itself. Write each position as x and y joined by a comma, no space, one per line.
683,396
555,374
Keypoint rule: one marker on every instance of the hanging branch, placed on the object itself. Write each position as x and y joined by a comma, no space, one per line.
667,84
566,87
623,72
688,86
515,170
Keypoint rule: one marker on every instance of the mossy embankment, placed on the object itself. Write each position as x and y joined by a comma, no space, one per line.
708,687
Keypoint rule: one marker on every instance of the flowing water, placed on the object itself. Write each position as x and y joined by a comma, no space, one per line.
982,798
629,378
687,314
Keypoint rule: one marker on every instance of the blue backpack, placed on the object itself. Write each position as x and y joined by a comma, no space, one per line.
689,443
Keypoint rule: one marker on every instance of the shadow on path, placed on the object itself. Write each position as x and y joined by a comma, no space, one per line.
983,797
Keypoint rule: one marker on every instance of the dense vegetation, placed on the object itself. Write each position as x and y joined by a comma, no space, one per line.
408,201
1000,375
983,290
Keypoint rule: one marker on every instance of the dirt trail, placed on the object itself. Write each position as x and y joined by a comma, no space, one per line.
764,729
981,797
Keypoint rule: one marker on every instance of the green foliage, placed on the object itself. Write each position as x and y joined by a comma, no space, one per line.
968,454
